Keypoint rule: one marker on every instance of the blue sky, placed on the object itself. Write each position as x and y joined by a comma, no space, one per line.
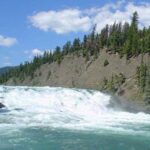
28,27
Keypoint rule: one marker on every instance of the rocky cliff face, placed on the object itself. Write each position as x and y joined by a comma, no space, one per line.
75,71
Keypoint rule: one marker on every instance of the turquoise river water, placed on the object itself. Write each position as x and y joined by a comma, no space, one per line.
47,118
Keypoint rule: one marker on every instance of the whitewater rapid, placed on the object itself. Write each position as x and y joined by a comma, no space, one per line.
73,109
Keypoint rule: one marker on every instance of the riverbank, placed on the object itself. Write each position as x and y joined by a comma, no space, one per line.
75,71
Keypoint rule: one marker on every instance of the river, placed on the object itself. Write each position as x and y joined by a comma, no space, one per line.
49,118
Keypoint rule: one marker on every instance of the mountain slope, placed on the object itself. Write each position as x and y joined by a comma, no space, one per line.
114,60
75,71
4,70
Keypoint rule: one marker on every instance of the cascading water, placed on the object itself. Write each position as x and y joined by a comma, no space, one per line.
65,110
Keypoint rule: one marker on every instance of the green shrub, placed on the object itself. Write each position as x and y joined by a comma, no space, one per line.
106,62
141,76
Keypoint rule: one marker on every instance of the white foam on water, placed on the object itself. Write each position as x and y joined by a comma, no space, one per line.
67,108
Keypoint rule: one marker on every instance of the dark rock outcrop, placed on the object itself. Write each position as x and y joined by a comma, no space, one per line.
2,105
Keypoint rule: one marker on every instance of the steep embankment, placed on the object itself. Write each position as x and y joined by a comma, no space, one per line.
75,71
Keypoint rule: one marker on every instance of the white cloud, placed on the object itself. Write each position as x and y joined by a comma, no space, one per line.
121,13
37,52
64,21
75,20
26,52
34,52
7,41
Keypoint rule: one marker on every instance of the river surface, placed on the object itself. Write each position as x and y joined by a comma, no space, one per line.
47,118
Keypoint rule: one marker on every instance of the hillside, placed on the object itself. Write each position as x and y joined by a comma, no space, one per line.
4,70
75,71
116,60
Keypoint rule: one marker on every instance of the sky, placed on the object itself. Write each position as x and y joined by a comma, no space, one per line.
29,27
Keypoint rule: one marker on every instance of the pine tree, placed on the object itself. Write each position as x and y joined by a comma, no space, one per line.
67,48
134,33
104,37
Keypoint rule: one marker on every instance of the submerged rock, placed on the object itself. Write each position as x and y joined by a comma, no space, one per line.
2,105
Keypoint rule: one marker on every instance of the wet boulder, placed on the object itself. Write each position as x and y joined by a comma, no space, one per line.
2,105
